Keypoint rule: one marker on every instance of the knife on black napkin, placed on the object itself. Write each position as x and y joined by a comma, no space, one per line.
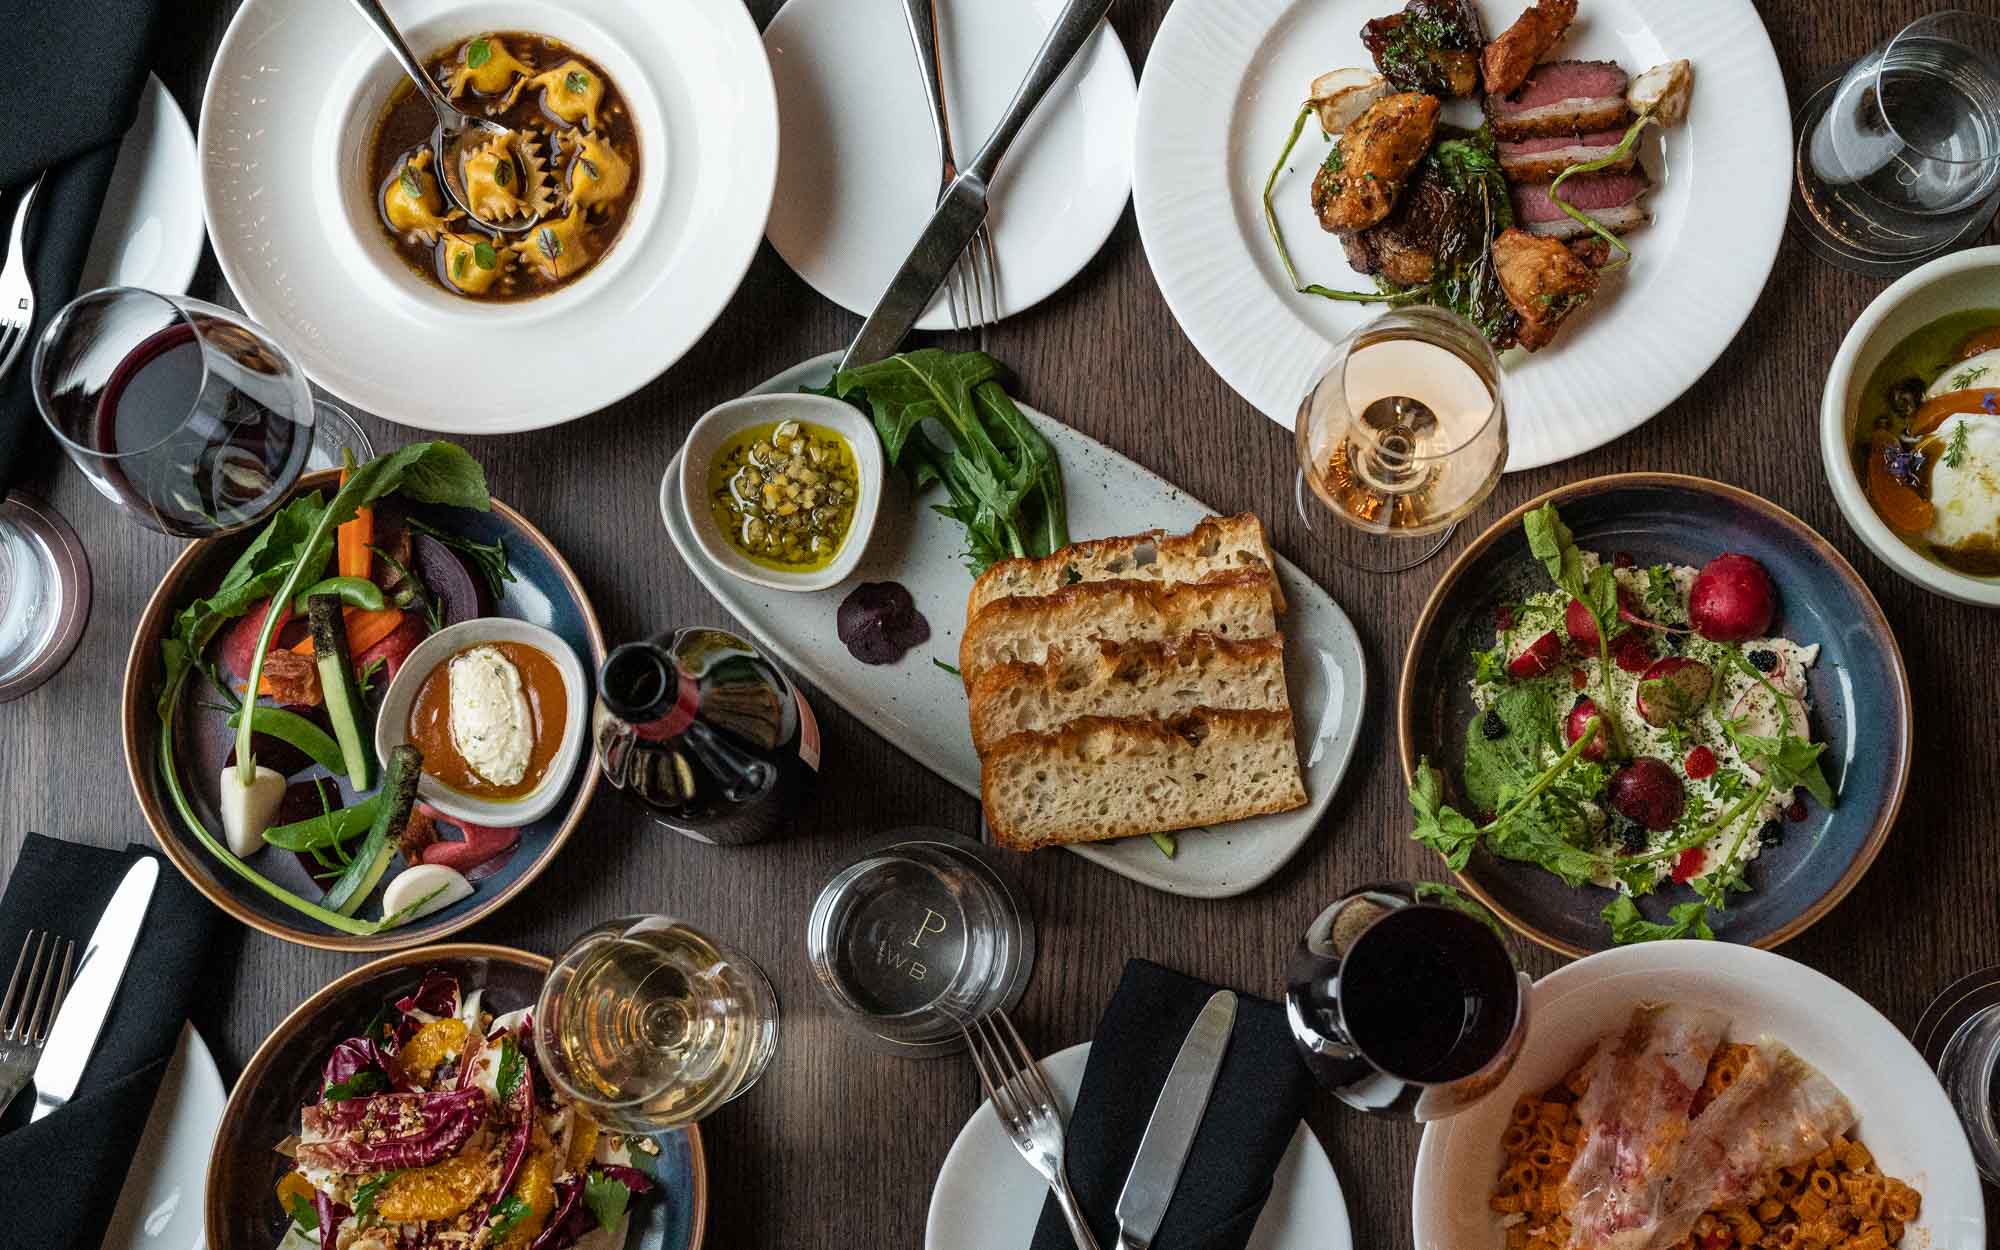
79,1155
1259,1097
70,80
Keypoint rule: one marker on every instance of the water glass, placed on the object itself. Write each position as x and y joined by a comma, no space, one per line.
651,1024
1900,159
186,415
1404,1001
1404,433
44,593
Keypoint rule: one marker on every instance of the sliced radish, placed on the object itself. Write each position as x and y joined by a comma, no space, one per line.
1540,656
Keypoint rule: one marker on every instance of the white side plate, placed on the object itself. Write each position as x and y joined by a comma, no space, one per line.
920,708
986,1198
149,232
1223,83
160,1207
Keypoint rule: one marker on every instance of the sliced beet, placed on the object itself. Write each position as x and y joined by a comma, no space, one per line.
461,594
395,648
239,644
306,799
879,622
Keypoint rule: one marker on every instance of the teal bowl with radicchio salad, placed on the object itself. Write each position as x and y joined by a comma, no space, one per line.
348,857
1758,742
402,1106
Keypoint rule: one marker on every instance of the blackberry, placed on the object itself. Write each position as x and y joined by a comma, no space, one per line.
1632,837
1674,644
1763,660
1771,834
1492,726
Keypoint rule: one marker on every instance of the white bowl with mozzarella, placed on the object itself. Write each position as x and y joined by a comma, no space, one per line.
1954,283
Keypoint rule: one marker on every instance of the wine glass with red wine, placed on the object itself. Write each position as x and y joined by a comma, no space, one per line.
186,415
1403,1001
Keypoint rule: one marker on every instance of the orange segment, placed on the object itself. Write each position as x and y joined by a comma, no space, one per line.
1903,508
429,1046
1934,411
536,1182
294,1185
582,1141
439,1192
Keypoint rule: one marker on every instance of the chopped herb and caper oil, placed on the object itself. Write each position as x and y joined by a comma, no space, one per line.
785,494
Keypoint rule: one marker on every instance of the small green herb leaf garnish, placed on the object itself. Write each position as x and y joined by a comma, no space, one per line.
459,260
478,52
576,82
550,245
589,168
606,1196
1964,378
365,1196
946,667
503,173
302,1213
512,1069
484,256
1954,453
507,1212
411,186
366,1081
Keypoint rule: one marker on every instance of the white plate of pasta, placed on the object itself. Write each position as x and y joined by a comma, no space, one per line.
1710,1061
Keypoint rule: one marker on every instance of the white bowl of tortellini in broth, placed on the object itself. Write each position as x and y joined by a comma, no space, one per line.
584,153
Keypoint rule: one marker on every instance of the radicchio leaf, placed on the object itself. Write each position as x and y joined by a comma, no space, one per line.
356,1068
330,1215
570,1220
521,1109
435,996
388,1131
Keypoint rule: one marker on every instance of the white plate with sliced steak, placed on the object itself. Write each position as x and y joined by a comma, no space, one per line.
1701,204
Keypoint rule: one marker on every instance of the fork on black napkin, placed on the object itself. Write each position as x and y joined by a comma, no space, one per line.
70,87
1259,1098
78,1156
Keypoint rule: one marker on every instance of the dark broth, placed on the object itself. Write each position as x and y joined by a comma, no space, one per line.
465,253
1923,357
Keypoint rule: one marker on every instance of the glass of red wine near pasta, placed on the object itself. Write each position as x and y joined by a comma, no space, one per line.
187,416
1403,1001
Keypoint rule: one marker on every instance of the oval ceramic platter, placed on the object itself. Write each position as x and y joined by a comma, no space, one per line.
1222,86
284,1074
1903,1117
544,592
1858,692
920,708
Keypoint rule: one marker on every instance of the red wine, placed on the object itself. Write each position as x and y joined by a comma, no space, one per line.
708,735
207,432
1428,994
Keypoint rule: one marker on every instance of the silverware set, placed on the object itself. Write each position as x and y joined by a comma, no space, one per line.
972,288
1026,1108
34,994
17,289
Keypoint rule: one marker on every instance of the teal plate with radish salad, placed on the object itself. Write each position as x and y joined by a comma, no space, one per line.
467,561
1650,706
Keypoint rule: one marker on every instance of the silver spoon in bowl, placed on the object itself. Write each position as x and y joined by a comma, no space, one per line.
456,132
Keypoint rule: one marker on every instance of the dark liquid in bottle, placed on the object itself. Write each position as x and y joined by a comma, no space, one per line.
1428,994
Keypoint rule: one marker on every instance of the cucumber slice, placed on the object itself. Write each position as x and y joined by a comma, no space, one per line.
371,858
343,693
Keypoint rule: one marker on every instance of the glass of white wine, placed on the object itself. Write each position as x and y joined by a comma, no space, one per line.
1404,433
652,1025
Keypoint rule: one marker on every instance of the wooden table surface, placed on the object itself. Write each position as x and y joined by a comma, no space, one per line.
839,1145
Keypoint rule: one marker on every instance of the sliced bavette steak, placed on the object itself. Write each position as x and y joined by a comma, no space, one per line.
1562,98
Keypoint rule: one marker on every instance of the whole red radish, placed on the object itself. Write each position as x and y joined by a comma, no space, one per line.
1579,716
1648,791
1732,599
1541,655
1673,690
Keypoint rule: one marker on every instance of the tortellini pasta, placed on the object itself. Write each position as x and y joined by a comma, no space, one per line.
485,65
412,202
571,91
505,179
598,175
557,248
470,263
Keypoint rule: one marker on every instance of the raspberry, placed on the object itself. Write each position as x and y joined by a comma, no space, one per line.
1700,763
1623,560
1689,865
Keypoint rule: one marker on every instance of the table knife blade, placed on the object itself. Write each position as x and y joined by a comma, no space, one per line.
74,1034
1156,1168
952,225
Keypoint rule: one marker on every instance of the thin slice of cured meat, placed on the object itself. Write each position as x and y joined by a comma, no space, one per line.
1779,1112
1632,1122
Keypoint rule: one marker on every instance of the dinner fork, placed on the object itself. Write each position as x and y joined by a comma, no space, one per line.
22,1035
1026,1108
17,289
972,288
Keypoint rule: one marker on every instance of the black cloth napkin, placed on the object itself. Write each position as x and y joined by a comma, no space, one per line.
78,1156
1260,1095
71,82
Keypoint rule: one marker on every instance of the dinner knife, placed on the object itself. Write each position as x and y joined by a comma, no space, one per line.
74,1033
962,207
1156,1168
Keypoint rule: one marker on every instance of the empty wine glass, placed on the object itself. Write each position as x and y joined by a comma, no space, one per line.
1404,433
1900,158
186,415
1403,1001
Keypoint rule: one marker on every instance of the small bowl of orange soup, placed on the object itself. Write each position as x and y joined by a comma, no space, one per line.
497,707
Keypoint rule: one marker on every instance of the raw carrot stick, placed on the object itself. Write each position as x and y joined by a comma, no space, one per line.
364,629
352,540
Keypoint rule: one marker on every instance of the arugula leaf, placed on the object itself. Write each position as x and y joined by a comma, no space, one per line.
1686,920
506,1213
1552,543
511,1068
1456,899
1787,761
1528,712
1442,829
606,1196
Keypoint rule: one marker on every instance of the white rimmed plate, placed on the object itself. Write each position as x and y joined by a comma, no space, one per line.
1904,1117
149,231
986,1198
920,708
859,173
297,84
1222,86
159,1207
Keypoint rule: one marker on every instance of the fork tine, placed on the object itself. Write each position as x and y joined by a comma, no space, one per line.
19,1017
1031,1072
14,984
39,1030
992,269
1007,1103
